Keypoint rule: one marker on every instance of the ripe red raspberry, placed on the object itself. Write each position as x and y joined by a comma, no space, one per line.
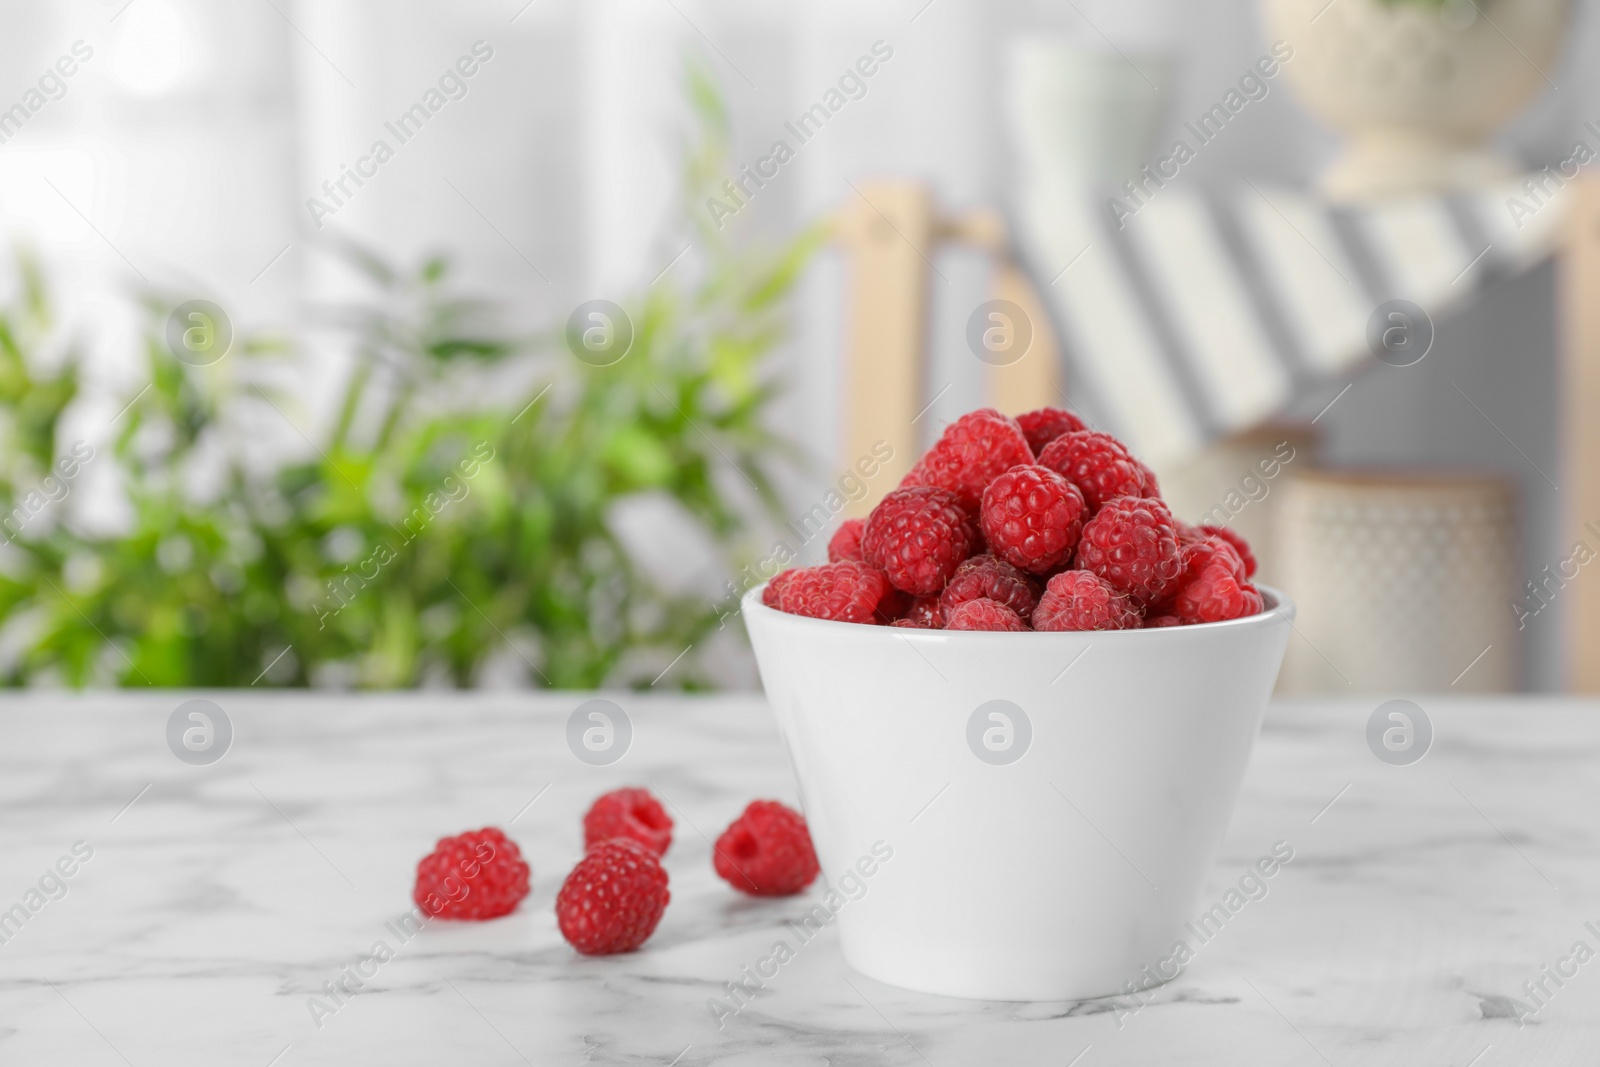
772,595
1045,425
1195,550
1097,464
984,577
613,899
843,592
630,813
1152,488
766,851
1240,545
1032,517
476,875
1132,543
983,614
845,544
1201,549
1155,622
918,536
924,612
894,605
1078,600
972,451
1214,586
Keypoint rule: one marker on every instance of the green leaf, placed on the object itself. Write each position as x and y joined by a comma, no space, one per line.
442,515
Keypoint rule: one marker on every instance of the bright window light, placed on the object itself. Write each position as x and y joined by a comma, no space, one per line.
150,55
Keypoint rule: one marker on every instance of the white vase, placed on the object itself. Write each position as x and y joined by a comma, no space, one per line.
1417,89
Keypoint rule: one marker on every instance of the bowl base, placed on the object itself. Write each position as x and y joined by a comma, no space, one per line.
1009,989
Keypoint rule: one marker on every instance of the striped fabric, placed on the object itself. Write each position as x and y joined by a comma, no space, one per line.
1203,315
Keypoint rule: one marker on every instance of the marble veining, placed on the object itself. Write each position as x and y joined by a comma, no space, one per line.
1425,908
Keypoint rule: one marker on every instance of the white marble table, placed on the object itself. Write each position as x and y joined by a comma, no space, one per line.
224,896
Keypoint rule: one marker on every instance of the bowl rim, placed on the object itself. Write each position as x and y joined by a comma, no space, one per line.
1281,607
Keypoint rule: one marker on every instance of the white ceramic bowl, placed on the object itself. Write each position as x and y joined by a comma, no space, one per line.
1058,875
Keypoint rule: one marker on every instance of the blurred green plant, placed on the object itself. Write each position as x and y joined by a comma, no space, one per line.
424,534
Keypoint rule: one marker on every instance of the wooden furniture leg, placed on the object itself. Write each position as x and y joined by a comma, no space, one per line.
1580,391
1034,380
887,230
890,231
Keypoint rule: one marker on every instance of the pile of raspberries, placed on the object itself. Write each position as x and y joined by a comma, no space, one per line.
613,899
1032,523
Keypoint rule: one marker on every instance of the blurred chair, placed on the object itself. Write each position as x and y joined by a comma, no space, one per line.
1288,281
889,234
1580,390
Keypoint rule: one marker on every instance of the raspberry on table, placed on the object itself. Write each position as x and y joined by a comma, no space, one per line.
1132,543
1079,600
984,577
843,592
1032,517
984,614
918,536
1097,464
632,813
766,851
845,544
1045,425
973,450
476,875
613,899
1240,545
1214,587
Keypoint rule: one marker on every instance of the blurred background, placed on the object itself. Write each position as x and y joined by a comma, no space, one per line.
359,344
